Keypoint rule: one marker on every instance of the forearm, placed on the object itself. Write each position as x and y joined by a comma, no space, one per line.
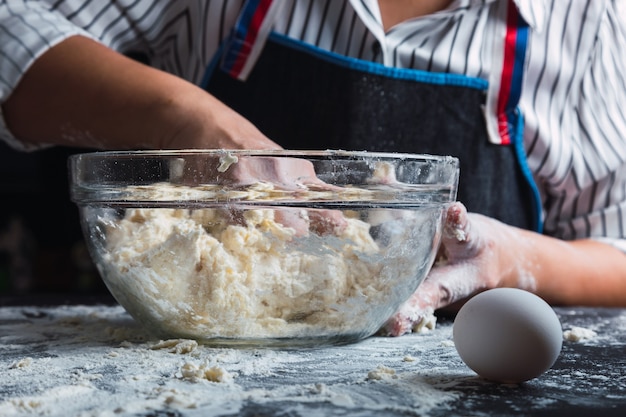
582,272
81,93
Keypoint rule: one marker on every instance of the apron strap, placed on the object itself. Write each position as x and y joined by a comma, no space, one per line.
248,36
504,121
505,86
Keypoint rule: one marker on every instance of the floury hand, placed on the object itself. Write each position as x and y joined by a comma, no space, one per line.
475,255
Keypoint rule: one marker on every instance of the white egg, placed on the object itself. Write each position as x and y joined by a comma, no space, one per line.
507,335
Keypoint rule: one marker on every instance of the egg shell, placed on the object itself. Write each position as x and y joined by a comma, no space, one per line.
507,335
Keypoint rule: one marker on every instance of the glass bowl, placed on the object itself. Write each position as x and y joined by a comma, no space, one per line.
262,248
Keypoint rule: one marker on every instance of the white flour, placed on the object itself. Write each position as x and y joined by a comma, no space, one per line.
96,362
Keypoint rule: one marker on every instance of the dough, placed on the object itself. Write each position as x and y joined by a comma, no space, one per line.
577,334
214,273
196,373
382,373
178,346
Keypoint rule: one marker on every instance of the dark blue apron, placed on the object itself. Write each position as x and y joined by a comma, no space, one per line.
303,97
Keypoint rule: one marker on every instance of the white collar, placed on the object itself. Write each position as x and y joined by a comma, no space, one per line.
534,12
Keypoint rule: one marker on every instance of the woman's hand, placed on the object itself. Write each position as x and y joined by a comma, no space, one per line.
291,174
468,262
479,253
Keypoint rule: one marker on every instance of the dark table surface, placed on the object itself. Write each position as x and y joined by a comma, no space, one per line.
71,356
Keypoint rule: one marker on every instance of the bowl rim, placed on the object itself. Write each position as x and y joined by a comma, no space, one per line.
264,152
87,187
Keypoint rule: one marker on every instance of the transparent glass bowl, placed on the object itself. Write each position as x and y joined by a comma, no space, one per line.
262,248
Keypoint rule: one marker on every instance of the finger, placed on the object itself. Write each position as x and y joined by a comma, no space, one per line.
456,226
282,173
327,222
320,222
444,286
295,219
449,284
462,237
413,312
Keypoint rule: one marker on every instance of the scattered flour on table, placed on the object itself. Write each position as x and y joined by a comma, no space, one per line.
94,368
97,362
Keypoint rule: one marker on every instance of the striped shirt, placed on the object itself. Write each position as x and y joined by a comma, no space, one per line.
572,101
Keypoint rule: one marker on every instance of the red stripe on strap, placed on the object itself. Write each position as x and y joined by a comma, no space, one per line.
253,31
507,73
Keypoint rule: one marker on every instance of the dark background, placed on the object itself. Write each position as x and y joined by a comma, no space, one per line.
41,246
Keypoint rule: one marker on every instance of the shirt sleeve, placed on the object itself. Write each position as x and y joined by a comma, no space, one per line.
601,113
27,30
575,120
